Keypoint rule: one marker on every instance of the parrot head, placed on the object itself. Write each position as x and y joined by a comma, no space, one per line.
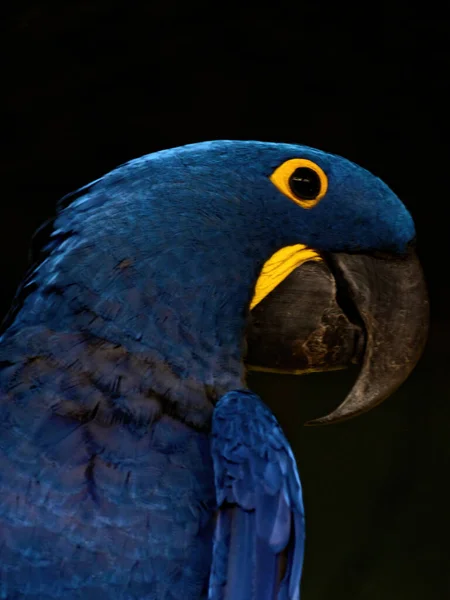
221,253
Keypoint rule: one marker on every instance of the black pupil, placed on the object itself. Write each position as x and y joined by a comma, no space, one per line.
305,183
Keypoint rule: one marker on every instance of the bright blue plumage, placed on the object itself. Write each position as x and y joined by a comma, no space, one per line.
123,339
260,522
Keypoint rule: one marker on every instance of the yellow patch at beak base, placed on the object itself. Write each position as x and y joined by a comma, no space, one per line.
278,267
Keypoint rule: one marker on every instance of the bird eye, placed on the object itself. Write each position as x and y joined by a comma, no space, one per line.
301,180
305,183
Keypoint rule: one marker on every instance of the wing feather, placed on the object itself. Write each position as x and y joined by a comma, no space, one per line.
259,535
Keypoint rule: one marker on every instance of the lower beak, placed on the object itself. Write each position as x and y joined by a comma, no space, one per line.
348,308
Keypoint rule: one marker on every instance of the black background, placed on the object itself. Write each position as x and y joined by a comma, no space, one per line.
92,84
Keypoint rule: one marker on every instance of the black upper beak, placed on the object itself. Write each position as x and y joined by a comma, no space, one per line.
362,308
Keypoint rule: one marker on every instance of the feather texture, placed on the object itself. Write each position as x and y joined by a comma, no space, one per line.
106,492
260,529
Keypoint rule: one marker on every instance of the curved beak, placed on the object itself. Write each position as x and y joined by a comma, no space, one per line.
349,308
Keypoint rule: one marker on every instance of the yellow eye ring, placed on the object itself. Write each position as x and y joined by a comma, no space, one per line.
284,178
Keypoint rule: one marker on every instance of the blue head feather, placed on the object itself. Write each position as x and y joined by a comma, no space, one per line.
163,252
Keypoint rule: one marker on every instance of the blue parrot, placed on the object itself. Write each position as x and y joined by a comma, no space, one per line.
134,461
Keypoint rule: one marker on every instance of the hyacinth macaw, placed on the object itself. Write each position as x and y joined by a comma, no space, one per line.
134,461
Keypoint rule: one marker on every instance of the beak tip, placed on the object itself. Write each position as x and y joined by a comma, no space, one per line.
337,416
